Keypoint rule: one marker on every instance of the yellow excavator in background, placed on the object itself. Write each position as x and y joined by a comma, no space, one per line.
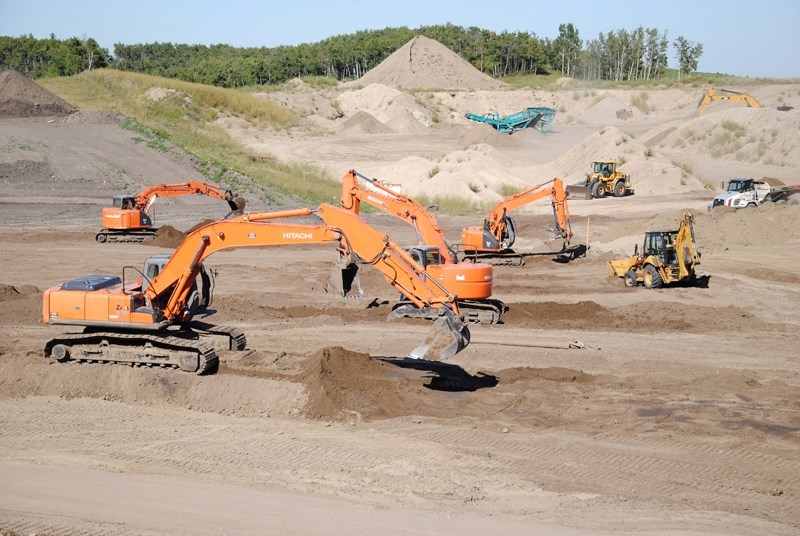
492,240
714,94
667,257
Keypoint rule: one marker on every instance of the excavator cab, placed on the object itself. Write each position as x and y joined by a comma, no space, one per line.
425,255
124,201
202,292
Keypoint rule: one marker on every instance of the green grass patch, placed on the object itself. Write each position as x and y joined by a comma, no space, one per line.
185,118
449,204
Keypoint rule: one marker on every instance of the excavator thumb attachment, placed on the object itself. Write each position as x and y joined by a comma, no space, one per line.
344,281
449,336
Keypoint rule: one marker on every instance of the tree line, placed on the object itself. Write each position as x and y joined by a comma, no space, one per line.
51,57
619,55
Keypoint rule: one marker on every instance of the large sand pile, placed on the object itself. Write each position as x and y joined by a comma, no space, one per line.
651,175
476,174
22,97
751,135
395,109
425,63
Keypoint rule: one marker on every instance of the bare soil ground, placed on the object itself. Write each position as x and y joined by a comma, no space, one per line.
678,414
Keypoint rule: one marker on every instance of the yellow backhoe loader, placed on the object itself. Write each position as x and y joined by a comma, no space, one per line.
667,257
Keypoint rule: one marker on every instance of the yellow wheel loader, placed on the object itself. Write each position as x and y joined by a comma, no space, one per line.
603,180
667,257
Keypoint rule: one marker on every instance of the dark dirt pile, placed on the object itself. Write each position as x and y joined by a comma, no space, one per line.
643,317
426,63
22,97
343,383
20,305
167,237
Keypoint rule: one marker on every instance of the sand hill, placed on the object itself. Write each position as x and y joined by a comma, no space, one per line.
426,63
22,97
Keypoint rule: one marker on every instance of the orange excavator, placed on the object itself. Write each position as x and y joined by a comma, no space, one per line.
130,217
145,320
471,282
492,240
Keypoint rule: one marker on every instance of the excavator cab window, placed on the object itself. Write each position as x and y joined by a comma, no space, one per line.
426,256
124,201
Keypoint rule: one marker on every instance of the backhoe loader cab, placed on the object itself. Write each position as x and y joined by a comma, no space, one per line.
666,257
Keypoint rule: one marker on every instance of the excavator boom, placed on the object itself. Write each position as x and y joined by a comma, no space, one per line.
713,94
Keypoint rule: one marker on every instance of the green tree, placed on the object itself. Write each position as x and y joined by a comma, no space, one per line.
688,55
567,47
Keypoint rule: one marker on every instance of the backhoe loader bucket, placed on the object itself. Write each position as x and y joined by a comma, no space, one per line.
449,336
344,281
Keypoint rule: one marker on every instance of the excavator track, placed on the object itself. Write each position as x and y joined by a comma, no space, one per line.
225,337
109,236
182,350
475,312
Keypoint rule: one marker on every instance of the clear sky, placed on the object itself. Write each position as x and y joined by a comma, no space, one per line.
739,37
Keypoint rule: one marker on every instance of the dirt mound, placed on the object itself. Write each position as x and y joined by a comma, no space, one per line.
425,63
20,305
603,112
22,97
362,122
641,317
167,237
486,134
341,383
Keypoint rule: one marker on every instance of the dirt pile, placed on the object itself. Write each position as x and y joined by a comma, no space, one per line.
761,135
22,97
342,383
167,237
20,305
426,63
363,123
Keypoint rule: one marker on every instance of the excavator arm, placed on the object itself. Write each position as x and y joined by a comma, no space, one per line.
401,206
711,94
146,198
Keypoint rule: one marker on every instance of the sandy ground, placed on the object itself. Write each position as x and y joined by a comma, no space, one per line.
678,416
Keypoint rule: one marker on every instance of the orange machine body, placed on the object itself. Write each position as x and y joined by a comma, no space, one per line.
469,281
497,231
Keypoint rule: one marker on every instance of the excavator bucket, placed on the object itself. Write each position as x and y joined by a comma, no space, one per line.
449,336
344,281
